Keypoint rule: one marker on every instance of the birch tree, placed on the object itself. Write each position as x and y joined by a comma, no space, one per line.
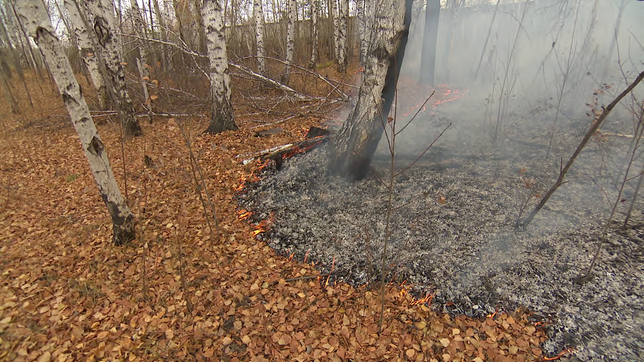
336,27
258,14
38,24
167,59
139,28
104,26
353,147
342,35
290,39
430,37
362,29
88,53
222,109
314,32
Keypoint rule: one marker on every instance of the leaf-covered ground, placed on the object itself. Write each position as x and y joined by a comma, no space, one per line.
179,292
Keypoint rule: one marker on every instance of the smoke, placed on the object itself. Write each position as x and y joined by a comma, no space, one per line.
538,61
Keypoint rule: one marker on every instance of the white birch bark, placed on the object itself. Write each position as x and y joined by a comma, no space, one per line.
139,28
258,14
342,35
88,53
314,33
290,39
362,29
336,28
222,109
353,147
104,28
36,20
165,52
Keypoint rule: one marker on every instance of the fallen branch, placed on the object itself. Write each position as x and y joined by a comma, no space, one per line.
244,69
277,153
276,84
589,134
329,81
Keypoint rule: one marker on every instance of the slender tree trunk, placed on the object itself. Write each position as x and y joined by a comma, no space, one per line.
343,32
103,23
430,37
353,147
222,109
32,56
39,26
165,53
335,14
15,108
290,39
362,29
87,51
258,14
15,60
139,28
315,5
201,29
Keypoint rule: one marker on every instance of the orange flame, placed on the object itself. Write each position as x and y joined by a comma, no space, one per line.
263,225
252,177
244,214
443,95
561,354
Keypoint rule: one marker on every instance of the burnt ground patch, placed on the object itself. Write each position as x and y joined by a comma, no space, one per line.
453,230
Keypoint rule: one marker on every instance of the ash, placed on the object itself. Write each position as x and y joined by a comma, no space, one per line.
453,231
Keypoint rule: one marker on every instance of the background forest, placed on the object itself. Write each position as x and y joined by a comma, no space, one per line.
182,106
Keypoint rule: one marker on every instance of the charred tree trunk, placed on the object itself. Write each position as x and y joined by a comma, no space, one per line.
104,27
353,147
430,37
222,109
258,14
39,26
87,51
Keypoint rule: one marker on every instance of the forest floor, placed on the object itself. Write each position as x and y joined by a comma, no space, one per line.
180,291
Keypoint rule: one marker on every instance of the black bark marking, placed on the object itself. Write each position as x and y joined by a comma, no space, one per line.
96,146
101,28
66,97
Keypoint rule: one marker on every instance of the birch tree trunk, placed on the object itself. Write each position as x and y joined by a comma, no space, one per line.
201,29
353,147
222,109
362,29
336,27
139,28
290,39
39,26
87,52
165,53
104,27
258,14
430,37
314,33
342,36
